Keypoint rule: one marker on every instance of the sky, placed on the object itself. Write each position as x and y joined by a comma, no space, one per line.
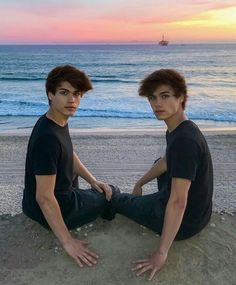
116,21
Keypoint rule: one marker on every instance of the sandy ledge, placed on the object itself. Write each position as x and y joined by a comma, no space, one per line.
31,255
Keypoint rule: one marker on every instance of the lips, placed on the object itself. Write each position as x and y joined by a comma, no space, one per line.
70,108
159,112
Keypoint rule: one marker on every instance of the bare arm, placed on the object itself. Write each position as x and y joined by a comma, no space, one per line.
52,213
173,217
174,212
82,171
155,171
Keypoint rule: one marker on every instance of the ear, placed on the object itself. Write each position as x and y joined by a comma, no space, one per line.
50,95
182,98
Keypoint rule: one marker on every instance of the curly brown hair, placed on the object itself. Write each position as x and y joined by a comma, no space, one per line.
77,78
168,77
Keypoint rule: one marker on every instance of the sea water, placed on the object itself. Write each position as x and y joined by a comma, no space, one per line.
115,72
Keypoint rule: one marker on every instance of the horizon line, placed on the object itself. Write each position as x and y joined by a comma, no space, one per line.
117,43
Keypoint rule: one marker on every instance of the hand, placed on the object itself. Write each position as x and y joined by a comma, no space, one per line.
103,187
137,190
78,250
154,263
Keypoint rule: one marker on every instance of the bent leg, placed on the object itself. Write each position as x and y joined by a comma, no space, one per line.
87,206
146,210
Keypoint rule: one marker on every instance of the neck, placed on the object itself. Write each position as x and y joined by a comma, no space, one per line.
174,121
56,117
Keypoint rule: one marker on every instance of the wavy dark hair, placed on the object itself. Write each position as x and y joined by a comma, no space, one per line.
168,77
77,78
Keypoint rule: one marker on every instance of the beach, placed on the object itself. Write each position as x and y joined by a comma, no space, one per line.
32,255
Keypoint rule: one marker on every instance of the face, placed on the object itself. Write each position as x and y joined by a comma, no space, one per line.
164,104
66,99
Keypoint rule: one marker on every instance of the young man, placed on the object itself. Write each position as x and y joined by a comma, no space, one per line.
51,195
182,207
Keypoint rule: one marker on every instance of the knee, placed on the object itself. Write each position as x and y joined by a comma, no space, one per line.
115,189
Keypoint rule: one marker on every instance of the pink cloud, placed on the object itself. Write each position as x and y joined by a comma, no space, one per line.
127,20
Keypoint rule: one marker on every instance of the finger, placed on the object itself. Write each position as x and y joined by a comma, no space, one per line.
91,253
152,274
109,188
139,266
108,196
98,188
78,261
106,187
85,260
90,258
144,269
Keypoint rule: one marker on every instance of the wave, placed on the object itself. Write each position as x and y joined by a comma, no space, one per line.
229,117
102,79
22,108
129,116
5,78
22,103
111,80
125,115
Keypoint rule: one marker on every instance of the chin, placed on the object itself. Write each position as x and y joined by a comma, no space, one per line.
160,118
70,113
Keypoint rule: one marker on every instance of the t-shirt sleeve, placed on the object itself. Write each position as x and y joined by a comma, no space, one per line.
184,159
46,155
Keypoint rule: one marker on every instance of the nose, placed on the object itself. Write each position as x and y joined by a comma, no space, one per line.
157,102
71,97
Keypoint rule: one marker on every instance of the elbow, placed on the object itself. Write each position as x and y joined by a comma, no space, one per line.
179,205
42,200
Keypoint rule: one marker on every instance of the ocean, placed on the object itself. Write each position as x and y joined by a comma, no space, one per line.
115,71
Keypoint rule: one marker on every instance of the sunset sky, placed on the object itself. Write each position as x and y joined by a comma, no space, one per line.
116,21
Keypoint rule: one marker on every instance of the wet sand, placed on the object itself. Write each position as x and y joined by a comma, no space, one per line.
31,255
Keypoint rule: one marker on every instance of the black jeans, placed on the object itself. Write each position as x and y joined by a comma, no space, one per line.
86,206
89,204
147,210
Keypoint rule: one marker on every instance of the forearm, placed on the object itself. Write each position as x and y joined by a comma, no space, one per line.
172,221
155,171
82,171
52,214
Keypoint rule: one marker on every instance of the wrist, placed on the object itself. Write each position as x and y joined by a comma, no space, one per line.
92,180
66,241
161,251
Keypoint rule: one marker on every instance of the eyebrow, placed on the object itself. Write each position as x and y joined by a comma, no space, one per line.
76,90
164,92
61,88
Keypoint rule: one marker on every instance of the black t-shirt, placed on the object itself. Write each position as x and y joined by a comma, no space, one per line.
49,152
188,157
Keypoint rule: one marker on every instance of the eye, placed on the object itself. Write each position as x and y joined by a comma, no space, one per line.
63,92
151,97
78,94
164,96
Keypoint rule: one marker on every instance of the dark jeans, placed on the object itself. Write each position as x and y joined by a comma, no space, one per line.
147,210
88,205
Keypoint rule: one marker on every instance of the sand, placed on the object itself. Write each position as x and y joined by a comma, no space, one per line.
31,255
